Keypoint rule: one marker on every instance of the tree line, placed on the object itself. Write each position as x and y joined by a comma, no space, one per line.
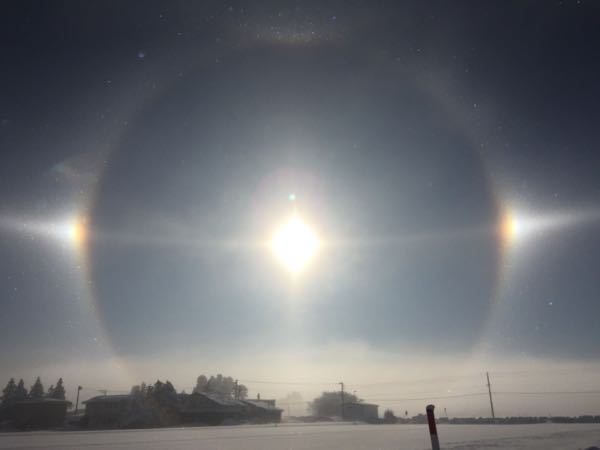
219,384
157,404
329,404
14,392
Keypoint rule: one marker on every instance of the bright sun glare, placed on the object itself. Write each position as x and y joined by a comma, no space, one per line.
295,244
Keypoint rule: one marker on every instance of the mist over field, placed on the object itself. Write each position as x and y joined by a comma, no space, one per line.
401,381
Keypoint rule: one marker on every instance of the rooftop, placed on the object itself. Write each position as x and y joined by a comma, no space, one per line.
263,404
220,399
109,398
43,400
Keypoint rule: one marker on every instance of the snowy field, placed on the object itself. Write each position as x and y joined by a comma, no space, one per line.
317,436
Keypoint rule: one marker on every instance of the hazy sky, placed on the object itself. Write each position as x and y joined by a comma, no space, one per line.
444,153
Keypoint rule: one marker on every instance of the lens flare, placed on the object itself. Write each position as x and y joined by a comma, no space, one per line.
295,244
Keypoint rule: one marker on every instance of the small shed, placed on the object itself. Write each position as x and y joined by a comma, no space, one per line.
40,413
360,411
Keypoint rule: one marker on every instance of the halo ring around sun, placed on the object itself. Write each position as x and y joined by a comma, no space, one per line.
295,243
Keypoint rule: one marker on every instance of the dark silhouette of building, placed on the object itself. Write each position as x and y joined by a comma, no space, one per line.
123,411
209,408
40,413
262,411
109,410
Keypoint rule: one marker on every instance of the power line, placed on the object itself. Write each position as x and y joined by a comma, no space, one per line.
470,394
438,397
291,383
413,381
548,392
384,383
504,373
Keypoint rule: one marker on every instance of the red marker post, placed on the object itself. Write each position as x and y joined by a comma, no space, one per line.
435,442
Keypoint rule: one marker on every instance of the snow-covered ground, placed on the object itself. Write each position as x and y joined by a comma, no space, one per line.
317,436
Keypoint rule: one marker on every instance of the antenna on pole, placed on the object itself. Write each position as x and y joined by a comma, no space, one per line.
342,394
489,386
79,388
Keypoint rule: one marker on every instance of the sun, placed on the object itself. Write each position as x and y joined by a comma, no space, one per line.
295,244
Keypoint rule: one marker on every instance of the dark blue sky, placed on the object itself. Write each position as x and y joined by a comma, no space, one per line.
405,132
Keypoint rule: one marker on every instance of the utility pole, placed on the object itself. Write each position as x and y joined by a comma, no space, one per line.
435,441
77,401
489,386
236,392
342,393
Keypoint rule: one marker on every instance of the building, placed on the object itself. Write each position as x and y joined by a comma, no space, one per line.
40,413
360,411
262,411
113,411
125,411
211,409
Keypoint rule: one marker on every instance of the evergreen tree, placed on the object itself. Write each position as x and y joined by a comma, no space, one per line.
37,390
164,401
59,390
136,391
201,384
329,404
224,386
9,392
169,388
157,389
20,392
